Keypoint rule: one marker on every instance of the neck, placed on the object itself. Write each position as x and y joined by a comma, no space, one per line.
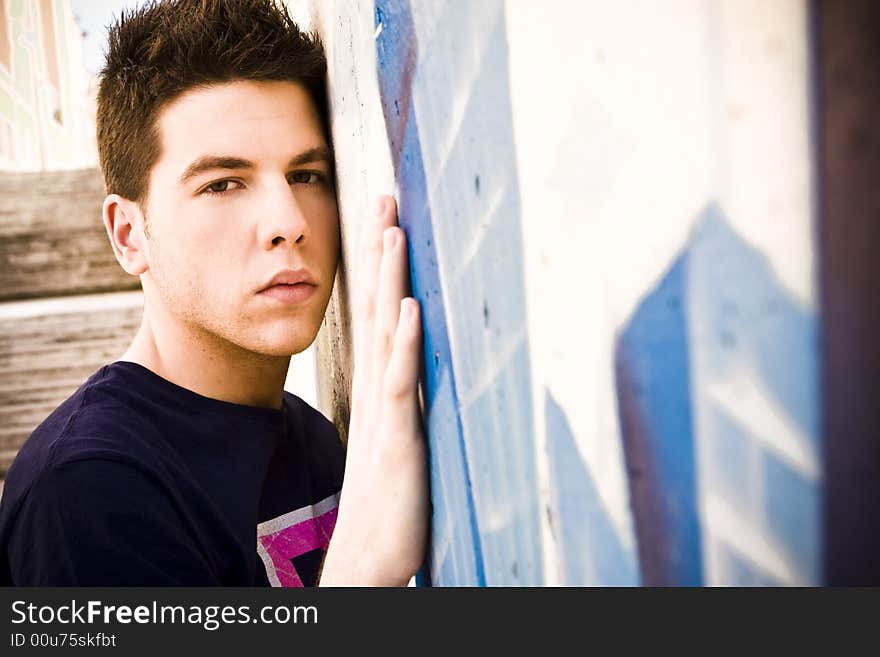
205,363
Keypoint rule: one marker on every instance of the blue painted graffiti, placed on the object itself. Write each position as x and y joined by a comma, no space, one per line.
449,478
482,399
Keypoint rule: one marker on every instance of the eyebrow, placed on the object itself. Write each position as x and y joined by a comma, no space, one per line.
214,162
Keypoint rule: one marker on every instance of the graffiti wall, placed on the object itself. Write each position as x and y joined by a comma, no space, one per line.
611,212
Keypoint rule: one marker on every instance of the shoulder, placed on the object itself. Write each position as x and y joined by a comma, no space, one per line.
104,480
83,490
93,424
83,486
98,521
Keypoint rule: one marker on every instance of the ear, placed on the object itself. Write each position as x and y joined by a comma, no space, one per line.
124,222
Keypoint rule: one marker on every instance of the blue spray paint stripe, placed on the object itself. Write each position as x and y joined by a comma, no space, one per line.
748,322
654,397
396,51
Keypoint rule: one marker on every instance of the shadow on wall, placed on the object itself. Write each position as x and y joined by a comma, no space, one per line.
654,401
717,394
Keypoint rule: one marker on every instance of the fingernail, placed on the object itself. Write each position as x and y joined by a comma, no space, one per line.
406,308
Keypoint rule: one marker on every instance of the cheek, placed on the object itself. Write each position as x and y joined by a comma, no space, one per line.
330,238
202,242
190,267
327,232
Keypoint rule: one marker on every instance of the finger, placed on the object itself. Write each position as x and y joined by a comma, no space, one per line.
402,374
368,271
365,291
393,287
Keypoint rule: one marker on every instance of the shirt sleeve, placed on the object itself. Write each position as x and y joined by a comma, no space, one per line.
102,523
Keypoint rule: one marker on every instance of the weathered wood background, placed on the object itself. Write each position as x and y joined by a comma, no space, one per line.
52,239
66,306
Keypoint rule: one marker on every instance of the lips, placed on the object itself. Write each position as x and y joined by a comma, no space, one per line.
290,286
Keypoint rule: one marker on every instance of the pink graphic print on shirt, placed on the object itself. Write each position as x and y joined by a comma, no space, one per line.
282,540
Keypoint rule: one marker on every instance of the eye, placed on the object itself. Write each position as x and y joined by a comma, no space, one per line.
305,177
221,186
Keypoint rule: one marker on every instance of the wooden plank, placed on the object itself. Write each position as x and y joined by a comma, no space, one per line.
52,239
47,350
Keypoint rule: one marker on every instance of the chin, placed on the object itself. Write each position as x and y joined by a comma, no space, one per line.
281,350
282,343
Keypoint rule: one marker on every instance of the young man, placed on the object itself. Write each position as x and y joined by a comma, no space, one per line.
185,462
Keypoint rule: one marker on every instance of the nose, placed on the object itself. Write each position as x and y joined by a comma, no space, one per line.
282,220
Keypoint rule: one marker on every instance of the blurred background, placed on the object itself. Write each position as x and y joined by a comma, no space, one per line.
644,238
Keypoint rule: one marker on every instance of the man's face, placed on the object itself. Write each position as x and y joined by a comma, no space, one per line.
242,192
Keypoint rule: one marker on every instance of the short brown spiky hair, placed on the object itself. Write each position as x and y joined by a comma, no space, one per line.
165,48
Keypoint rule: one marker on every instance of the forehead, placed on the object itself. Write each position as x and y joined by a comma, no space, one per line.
261,121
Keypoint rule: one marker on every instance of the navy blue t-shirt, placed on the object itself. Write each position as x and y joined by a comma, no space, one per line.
135,481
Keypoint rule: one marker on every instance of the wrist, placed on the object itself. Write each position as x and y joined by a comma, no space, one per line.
353,563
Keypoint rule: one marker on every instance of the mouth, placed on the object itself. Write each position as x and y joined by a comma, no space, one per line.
290,293
290,286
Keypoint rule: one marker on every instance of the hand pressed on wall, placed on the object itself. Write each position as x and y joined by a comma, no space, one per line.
382,525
